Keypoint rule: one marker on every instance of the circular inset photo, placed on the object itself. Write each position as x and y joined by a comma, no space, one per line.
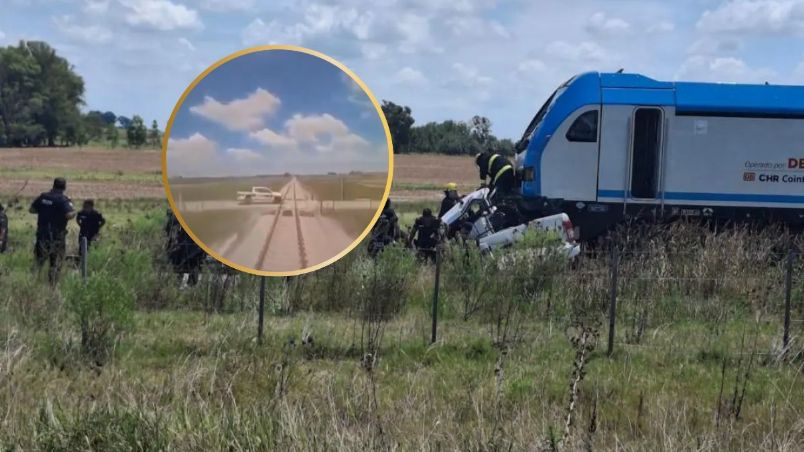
277,160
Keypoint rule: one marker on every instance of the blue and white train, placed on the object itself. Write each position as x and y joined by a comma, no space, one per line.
606,147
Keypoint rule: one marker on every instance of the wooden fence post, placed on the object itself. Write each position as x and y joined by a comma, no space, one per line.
83,247
434,333
261,316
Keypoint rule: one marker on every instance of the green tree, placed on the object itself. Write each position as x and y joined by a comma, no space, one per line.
19,98
481,129
40,95
399,123
154,135
112,135
94,125
124,121
62,89
136,133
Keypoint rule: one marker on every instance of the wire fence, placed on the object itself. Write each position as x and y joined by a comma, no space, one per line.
634,291
627,293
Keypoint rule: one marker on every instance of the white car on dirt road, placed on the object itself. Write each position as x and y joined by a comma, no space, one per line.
259,195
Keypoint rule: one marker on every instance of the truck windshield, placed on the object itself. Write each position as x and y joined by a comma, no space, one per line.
537,120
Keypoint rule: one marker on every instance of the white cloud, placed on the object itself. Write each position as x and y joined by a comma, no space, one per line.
586,52
96,7
310,128
244,155
318,20
320,133
239,114
530,66
2,35
373,50
601,24
500,29
415,32
192,156
258,32
409,76
272,139
85,33
723,69
756,16
187,44
712,46
228,5
661,27
469,76
162,15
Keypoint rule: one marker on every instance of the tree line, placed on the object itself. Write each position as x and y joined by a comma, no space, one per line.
447,137
41,97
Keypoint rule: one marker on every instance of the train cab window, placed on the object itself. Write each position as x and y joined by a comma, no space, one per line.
584,129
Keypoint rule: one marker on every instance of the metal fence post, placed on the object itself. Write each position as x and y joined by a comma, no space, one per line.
83,245
615,264
788,292
261,316
434,334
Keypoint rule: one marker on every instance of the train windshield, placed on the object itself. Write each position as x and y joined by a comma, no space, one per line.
537,120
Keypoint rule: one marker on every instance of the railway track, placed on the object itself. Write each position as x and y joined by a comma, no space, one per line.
275,225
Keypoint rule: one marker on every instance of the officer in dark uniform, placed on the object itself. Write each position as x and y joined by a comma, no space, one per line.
499,171
3,229
183,253
54,209
385,230
90,222
425,235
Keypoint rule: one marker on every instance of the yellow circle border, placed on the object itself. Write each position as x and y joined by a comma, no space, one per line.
354,78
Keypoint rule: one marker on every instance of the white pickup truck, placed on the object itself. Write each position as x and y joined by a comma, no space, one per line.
259,195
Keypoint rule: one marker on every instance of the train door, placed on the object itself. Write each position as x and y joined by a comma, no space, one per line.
645,162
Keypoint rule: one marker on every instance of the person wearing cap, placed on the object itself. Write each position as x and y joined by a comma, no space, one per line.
425,235
450,198
3,229
53,209
499,172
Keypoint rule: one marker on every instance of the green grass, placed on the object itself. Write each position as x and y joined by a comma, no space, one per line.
187,377
78,175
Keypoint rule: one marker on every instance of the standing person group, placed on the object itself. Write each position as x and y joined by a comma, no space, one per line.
54,210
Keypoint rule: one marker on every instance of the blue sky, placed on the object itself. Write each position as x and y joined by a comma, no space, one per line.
272,112
446,59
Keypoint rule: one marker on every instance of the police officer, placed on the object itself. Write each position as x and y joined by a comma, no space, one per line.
498,170
183,253
425,234
3,229
90,222
450,198
385,230
54,209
